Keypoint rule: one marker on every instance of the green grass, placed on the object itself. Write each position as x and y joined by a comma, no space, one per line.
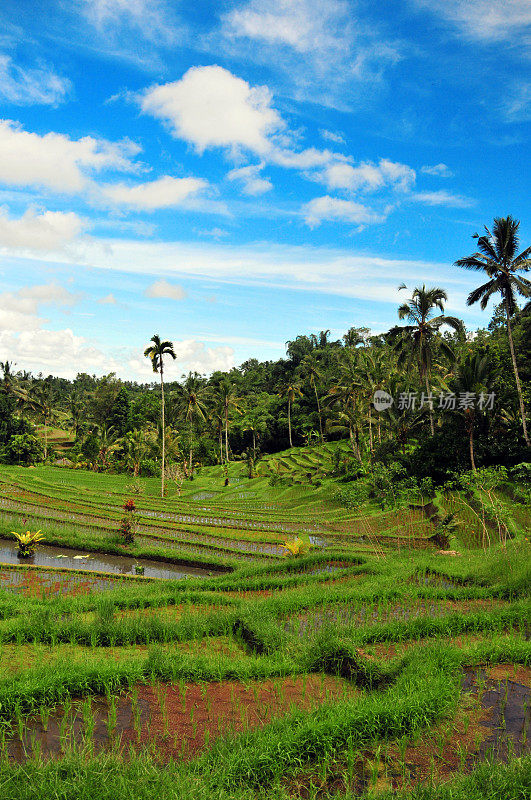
392,588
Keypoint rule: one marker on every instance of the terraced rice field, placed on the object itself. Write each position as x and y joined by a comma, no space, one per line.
374,665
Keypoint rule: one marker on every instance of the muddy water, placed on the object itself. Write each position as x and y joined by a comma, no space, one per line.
51,556
509,720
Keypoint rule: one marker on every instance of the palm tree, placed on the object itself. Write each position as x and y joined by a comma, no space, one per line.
290,391
192,404
473,377
156,353
77,411
346,392
310,370
421,339
40,399
8,376
497,258
225,397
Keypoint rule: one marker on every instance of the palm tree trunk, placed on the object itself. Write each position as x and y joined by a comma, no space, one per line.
220,443
227,433
432,428
471,445
45,438
254,444
289,423
163,431
319,412
191,432
516,375
370,432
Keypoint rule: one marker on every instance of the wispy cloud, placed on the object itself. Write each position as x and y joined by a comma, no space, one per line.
483,19
443,198
26,86
437,170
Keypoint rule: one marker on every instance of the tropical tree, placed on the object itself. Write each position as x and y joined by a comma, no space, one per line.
8,376
290,391
346,393
40,399
309,369
472,381
156,353
225,398
192,403
421,340
496,257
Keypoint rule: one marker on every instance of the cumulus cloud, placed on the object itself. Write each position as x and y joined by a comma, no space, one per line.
443,198
251,180
368,176
60,353
209,107
192,356
45,231
165,192
164,289
327,209
54,161
19,311
31,86
438,170
108,300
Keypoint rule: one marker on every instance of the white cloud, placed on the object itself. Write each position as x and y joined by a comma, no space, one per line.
517,106
165,192
328,209
192,356
209,107
150,17
483,19
46,231
251,179
443,198
55,161
164,289
59,353
438,170
322,47
320,270
368,176
108,300
19,311
332,136
30,86
304,25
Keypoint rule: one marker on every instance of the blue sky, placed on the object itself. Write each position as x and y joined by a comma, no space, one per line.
230,175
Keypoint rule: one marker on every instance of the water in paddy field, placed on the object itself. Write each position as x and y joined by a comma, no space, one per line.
50,556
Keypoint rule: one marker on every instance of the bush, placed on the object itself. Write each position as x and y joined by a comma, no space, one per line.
149,468
22,449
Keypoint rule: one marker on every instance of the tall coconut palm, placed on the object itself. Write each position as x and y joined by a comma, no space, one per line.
40,399
225,398
497,258
346,392
420,340
474,377
309,369
156,353
290,391
192,404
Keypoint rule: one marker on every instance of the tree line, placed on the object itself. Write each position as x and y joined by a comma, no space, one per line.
323,389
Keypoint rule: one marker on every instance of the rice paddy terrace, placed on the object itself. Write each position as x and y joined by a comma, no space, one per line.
372,666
